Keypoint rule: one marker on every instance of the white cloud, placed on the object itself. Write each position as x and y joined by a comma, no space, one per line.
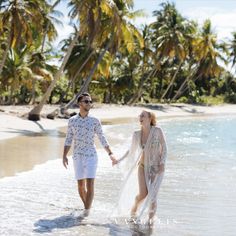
143,21
223,22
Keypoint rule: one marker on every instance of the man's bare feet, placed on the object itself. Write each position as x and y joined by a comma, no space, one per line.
132,219
86,212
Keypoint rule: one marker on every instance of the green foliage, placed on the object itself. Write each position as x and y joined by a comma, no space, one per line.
209,100
183,99
230,98
172,59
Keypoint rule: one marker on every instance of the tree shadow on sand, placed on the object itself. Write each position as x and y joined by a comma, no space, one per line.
68,221
43,133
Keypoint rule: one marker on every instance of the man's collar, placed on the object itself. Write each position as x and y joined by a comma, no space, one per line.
82,116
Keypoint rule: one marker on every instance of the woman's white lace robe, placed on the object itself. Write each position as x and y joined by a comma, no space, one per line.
155,153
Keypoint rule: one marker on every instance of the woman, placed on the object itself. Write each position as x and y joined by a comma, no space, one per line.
146,159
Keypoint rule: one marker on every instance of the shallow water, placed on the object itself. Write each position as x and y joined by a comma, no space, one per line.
197,196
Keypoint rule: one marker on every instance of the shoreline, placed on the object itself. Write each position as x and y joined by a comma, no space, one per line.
25,143
13,123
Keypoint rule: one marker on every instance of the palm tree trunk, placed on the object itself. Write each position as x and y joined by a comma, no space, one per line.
44,38
33,92
179,92
34,114
76,75
183,87
172,81
4,57
46,30
89,77
110,89
138,94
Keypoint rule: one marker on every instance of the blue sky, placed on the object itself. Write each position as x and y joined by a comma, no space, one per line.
222,14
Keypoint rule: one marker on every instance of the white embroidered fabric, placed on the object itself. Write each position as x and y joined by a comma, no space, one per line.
155,153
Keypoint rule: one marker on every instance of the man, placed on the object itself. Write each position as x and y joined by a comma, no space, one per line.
82,128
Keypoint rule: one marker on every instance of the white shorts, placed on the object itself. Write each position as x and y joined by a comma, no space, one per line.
85,167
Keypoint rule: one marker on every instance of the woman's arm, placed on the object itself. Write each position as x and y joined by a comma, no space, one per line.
132,147
163,151
123,157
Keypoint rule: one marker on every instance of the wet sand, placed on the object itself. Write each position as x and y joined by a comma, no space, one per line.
22,153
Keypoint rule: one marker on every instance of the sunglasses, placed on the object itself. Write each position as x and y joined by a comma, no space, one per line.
87,101
142,115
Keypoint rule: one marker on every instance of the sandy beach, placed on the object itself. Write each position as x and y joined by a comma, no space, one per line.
14,123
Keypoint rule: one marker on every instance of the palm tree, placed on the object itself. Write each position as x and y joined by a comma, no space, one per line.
18,20
85,12
49,21
170,35
145,64
89,17
17,73
232,48
206,53
115,30
78,62
34,114
39,67
93,14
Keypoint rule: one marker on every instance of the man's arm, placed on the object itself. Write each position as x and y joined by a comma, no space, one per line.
103,141
64,158
68,142
111,155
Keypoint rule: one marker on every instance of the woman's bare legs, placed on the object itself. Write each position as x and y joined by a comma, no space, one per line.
142,190
153,206
152,212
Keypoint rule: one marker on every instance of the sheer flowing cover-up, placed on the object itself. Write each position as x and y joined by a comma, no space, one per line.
155,152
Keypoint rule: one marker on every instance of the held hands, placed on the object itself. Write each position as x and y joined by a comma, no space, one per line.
113,159
65,162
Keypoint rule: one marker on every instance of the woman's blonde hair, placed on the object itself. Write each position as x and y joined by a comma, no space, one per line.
152,117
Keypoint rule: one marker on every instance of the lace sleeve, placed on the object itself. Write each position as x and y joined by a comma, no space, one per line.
163,147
